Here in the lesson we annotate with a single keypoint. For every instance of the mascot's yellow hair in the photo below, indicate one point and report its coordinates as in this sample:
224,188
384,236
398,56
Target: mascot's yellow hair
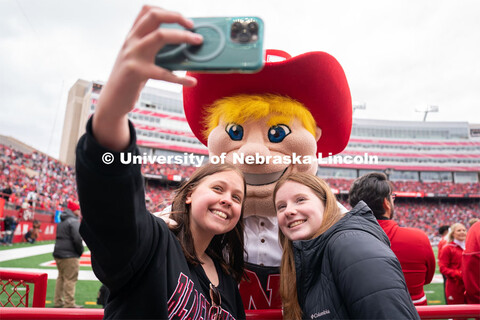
241,108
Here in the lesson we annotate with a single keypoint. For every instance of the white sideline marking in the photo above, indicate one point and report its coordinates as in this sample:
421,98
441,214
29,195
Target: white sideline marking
437,278
18,253
12,254
53,273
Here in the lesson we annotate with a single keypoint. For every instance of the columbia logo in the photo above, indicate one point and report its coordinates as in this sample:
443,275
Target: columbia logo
319,314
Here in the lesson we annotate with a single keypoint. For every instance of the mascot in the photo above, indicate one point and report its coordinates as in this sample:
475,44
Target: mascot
284,117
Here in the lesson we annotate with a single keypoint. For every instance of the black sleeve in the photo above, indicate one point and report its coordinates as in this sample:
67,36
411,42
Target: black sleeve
116,224
369,278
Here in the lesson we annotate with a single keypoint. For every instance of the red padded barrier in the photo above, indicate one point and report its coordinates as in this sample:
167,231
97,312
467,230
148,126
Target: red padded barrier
449,311
426,312
37,278
50,313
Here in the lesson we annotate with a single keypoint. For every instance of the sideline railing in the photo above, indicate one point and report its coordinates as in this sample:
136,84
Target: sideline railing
426,312
15,288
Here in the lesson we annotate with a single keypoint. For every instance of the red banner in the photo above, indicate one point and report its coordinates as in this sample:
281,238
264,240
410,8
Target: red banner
48,231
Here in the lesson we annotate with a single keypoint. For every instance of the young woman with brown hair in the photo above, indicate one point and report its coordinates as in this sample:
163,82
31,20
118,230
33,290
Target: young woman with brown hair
151,271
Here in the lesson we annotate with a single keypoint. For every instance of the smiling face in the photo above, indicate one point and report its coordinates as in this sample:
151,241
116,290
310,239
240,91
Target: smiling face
459,232
216,203
299,211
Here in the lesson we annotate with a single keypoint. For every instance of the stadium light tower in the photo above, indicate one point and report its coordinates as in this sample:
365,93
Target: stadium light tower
388,172
357,105
427,110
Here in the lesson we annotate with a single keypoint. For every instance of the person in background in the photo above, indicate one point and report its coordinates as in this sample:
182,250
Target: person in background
410,245
472,221
67,252
6,192
443,232
24,213
9,224
343,261
450,263
102,296
471,264
32,234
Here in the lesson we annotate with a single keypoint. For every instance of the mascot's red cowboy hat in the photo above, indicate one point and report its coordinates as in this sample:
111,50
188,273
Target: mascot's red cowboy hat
315,79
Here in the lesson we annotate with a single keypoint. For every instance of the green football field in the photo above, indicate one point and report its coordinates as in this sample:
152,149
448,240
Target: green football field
87,290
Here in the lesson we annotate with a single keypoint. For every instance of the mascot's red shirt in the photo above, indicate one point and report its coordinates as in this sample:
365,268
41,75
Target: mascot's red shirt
413,250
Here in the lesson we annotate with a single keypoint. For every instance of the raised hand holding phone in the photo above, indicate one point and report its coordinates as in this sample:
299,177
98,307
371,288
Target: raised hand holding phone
133,67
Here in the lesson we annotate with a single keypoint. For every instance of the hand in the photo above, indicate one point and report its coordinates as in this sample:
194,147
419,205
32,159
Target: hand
165,216
133,67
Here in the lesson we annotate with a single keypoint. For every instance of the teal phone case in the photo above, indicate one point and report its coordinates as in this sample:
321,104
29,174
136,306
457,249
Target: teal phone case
230,44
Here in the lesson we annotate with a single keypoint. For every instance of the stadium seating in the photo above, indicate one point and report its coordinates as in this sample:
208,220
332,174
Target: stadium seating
47,183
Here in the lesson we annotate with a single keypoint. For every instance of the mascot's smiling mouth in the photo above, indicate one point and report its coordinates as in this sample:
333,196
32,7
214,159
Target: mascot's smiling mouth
260,179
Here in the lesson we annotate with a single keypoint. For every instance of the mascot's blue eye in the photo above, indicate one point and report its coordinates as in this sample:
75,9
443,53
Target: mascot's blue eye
278,133
235,131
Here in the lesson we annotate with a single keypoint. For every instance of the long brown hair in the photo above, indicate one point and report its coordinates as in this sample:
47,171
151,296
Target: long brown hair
331,214
227,249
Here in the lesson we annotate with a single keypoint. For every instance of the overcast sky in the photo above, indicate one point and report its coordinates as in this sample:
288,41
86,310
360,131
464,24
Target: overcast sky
398,55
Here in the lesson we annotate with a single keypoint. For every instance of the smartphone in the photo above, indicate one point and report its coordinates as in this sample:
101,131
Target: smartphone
230,44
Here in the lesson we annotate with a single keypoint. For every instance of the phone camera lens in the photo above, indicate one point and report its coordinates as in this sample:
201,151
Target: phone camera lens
253,27
244,31
236,28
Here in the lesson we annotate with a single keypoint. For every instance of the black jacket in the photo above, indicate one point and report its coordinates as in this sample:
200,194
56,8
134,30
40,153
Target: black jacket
68,243
133,252
350,272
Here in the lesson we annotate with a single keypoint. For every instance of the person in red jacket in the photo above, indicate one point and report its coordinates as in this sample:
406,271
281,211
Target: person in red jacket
471,264
443,232
450,263
410,245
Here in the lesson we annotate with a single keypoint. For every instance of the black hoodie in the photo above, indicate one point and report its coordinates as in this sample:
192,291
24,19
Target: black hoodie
133,252
350,272
68,242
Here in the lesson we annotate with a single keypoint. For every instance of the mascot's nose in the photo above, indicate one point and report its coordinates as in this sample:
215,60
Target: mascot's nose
250,148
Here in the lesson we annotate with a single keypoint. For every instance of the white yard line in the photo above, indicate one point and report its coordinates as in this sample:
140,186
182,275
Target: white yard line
53,273
437,278
12,254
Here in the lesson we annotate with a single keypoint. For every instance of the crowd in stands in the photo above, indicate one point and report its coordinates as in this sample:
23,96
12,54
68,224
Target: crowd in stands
34,178
158,198
444,187
437,187
429,215
168,170
45,184
415,186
